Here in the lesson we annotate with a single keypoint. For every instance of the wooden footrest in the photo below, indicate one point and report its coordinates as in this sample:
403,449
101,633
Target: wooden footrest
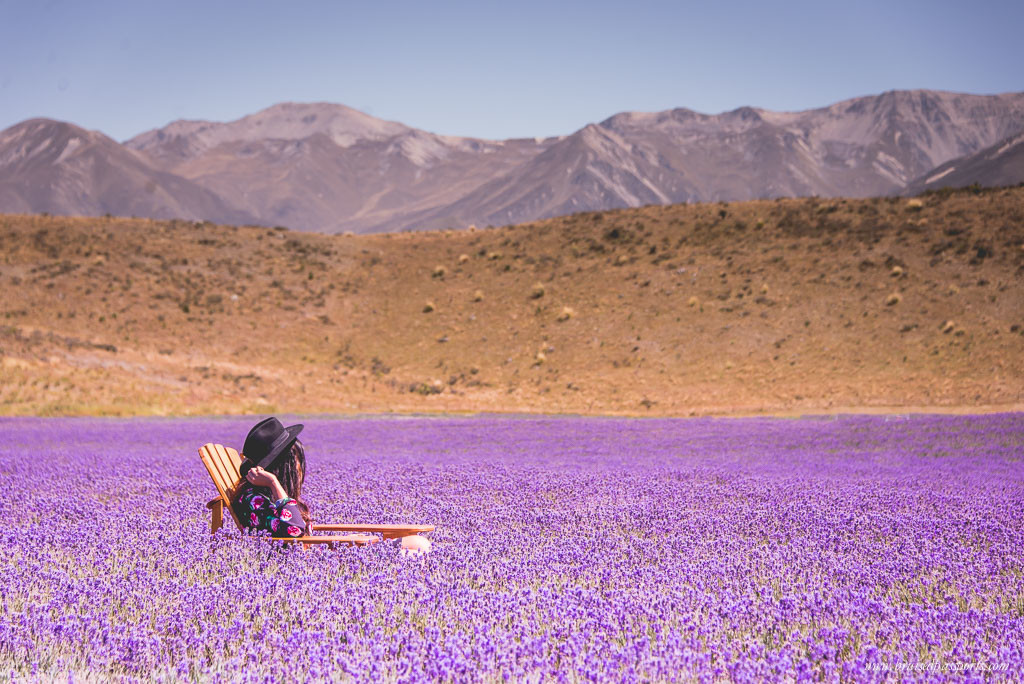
386,531
342,539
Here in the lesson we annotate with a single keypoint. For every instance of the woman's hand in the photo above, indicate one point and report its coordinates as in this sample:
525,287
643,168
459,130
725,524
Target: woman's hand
262,478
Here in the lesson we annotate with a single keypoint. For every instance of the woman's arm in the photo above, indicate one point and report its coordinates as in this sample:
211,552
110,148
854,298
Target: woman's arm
261,478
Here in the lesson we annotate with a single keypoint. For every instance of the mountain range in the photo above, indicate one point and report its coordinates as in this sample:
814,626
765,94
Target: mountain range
329,168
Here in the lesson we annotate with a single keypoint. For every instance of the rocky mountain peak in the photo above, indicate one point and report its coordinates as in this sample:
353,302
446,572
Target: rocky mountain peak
37,141
183,140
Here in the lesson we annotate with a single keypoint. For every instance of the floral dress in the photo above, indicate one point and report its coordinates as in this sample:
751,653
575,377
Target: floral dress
281,518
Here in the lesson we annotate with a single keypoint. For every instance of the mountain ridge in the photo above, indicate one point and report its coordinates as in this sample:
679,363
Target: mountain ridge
330,168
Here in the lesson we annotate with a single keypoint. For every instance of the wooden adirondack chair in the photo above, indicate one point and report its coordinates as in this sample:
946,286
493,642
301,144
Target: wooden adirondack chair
222,463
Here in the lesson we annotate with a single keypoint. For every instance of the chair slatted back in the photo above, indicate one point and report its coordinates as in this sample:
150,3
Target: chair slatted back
222,463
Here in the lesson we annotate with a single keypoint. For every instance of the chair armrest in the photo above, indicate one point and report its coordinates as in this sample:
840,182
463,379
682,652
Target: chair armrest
213,503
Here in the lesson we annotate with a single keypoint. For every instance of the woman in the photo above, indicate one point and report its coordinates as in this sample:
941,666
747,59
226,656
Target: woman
273,471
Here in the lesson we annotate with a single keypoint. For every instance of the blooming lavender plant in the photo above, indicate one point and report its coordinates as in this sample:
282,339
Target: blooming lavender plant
566,549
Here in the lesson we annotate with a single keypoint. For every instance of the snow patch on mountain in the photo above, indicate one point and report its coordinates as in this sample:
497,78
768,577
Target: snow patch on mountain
941,174
68,150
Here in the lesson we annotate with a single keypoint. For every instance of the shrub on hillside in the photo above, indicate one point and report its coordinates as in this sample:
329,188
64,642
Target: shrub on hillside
426,389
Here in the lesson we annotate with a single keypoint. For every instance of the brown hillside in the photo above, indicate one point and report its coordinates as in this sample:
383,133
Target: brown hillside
768,306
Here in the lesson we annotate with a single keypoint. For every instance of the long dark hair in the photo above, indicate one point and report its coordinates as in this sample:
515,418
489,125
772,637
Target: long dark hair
290,470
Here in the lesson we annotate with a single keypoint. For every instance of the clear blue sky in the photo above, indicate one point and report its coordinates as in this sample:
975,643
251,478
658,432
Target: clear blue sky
501,69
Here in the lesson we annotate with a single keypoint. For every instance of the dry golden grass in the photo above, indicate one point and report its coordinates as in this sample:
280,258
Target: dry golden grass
768,306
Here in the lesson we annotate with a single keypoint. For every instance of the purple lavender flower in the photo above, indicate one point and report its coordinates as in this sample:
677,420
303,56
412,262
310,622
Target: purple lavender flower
566,549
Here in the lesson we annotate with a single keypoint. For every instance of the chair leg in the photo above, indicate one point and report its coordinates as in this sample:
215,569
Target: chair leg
217,516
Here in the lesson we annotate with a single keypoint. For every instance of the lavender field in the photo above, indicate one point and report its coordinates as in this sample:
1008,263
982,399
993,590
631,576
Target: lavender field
566,549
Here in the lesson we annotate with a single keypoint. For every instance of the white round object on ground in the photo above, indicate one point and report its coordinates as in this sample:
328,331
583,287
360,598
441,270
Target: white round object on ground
414,544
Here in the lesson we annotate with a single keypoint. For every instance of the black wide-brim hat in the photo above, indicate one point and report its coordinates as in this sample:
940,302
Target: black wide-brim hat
267,440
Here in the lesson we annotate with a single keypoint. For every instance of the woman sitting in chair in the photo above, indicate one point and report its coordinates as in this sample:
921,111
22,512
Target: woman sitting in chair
273,469
273,466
